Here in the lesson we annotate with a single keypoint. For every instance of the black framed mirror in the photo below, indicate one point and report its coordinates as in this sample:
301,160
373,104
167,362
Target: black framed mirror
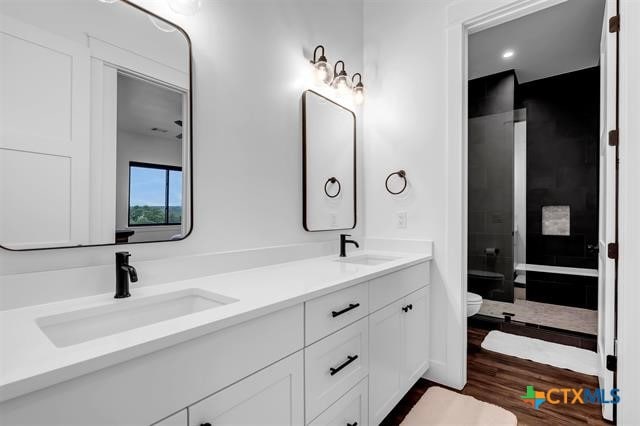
329,164
95,125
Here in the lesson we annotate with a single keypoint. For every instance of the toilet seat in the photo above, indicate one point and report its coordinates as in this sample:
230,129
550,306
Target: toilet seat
474,303
473,299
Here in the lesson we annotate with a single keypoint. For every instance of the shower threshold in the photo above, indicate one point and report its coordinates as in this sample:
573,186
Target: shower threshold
545,314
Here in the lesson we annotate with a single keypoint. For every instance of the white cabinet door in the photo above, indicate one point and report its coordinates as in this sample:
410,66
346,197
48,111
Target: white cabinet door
273,396
386,360
44,138
416,335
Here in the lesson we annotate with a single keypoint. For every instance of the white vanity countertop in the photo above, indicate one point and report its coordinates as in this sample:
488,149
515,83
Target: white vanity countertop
29,361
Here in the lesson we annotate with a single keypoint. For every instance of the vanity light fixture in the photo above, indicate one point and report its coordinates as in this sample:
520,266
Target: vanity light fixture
358,89
341,81
322,69
185,7
508,54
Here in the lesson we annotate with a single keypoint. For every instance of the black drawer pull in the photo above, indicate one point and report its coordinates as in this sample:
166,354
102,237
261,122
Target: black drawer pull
408,308
205,424
352,424
349,360
347,309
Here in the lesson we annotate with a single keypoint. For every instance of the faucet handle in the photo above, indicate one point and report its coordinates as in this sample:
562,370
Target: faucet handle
345,235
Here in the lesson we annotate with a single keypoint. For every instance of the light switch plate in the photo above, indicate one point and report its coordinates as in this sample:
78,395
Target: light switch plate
401,220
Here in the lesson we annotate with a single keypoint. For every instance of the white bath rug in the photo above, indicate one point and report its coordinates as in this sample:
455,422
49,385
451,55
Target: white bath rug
440,407
554,354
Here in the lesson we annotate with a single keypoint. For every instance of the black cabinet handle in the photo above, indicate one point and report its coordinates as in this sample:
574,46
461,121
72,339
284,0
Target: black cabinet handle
407,308
352,424
205,424
349,360
347,309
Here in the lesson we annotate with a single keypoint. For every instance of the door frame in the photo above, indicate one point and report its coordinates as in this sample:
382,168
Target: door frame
465,18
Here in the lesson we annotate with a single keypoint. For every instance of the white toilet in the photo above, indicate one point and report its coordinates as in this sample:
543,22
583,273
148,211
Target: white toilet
474,302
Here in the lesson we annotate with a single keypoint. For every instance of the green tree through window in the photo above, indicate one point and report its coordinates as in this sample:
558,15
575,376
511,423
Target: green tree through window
155,194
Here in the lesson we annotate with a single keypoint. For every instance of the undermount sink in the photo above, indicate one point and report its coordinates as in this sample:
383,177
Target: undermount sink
367,259
71,328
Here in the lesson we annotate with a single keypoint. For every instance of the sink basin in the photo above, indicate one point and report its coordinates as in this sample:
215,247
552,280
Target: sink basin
71,328
367,259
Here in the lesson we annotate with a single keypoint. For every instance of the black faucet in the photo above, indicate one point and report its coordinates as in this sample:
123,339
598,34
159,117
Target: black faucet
124,272
344,242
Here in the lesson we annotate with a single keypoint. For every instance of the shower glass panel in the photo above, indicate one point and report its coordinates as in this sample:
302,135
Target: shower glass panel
491,206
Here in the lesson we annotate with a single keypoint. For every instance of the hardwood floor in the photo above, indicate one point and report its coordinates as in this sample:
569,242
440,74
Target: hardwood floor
501,380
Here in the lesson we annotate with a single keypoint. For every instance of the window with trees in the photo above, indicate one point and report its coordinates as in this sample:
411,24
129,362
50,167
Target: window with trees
155,194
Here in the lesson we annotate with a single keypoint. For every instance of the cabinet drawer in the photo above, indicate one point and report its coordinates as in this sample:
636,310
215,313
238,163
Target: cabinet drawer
334,365
351,409
389,288
272,397
334,311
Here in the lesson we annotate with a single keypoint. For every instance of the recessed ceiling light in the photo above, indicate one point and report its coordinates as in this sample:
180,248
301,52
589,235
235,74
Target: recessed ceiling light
507,54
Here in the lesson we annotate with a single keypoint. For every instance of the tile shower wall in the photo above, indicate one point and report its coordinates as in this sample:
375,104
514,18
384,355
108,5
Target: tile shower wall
562,170
491,156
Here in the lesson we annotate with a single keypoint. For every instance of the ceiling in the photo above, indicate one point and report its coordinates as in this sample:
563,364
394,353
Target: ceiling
550,42
143,106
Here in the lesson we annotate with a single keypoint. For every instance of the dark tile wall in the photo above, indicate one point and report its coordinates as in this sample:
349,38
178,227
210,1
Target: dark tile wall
562,114
491,103
562,169
492,94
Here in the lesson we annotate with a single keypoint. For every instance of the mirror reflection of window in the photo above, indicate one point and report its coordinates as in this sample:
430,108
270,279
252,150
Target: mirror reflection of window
155,195
149,159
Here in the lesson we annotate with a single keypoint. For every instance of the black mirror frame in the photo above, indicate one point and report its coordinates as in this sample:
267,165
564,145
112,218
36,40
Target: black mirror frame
304,165
190,103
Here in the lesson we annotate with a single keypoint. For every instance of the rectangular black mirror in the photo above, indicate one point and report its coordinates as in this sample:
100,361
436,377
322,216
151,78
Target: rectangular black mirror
329,164
95,125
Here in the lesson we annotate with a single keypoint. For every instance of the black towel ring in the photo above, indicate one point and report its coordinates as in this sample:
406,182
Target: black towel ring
403,175
332,180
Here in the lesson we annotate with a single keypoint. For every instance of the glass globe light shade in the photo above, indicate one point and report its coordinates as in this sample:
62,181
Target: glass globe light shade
358,94
161,25
342,84
185,7
323,71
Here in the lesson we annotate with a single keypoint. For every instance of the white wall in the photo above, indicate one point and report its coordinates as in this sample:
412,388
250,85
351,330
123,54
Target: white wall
629,290
250,67
405,116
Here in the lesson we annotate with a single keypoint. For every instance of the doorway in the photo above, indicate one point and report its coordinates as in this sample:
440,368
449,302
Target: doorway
538,172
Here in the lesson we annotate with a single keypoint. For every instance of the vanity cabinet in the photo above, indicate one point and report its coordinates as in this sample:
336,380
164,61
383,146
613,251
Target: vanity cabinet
273,396
343,358
399,351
